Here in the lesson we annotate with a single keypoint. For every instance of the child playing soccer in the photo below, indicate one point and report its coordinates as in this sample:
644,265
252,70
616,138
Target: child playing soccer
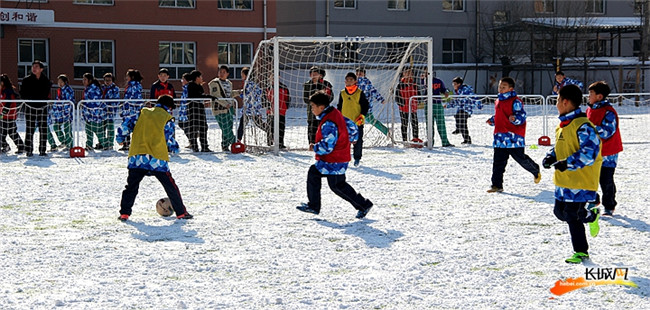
153,135
60,116
354,105
601,113
577,161
332,148
509,121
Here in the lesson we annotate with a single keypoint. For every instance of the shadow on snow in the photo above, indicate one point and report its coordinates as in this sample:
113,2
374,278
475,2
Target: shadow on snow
373,237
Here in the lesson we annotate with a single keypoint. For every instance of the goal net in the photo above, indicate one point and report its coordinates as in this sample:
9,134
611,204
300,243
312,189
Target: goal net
281,73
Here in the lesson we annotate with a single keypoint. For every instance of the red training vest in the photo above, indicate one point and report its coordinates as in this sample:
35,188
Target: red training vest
341,152
503,110
613,144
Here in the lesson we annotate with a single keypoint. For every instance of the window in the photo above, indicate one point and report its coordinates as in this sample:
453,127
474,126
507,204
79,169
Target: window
176,3
595,6
636,47
345,52
401,5
638,7
235,4
236,56
499,18
96,2
453,5
28,51
544,6
92,56
345,4
453,51
596,48
177,57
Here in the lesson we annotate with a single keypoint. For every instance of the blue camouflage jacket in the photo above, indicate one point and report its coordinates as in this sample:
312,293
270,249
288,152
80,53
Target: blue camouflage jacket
586,155
146,161
607,129
111,92
326,145
567,81
133,91
182,107
372,94
61,112
252,97
93,111
465,104
510,139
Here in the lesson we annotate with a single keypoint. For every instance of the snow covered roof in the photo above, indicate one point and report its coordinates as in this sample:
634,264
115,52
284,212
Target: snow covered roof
601,23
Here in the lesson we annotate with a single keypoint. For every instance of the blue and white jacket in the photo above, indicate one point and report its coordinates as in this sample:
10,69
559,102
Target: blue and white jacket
111,92
372,94
566,81
182,107
61,112
146,161
509,140
326,145
606,130
133,91
465,104
252,97
93,111
586,155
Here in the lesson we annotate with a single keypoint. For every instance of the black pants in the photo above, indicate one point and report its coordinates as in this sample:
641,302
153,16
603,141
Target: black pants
269,131
608,187
198,126
461,124
500,162
8,128
404,119
338,185
312,128
575,214
133,184
358,147
257,120
35,117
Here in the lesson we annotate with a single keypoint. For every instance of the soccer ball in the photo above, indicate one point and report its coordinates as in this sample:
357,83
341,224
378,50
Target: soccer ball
164,207
417,143
237,148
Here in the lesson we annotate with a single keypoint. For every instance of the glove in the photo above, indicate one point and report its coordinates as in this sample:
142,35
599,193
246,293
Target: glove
561,165
548,161
360,120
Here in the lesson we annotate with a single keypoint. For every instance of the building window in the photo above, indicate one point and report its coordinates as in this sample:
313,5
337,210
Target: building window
595,6
544,6
500,18
453,5
596,48
401,5
236,56
93,56
177,57
28,51
453,51
638,6
346,52
94,2
176,3
345,4
636,47
235,4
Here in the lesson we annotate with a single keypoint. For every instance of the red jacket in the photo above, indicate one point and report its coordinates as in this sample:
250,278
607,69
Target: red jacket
284,99
613,144
405,90
341,152
502,111
9,110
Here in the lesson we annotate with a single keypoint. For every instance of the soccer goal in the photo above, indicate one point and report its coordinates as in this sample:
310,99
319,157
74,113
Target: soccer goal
280,72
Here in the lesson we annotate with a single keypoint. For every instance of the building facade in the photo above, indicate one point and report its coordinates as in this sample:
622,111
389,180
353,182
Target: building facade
73,37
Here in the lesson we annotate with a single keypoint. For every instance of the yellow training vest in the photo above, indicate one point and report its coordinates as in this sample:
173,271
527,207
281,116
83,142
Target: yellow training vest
566,144
149,134
351,108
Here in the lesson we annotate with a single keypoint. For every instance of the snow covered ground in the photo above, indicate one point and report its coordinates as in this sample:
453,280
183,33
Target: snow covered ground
435,238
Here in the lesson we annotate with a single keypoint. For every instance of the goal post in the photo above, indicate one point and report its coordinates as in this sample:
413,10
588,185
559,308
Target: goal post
281,69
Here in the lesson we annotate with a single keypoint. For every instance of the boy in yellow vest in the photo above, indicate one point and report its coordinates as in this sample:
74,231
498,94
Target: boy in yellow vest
153,138
354,105
577,161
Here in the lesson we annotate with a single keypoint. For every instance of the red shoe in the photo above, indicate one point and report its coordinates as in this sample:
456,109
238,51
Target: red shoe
123,217
185,216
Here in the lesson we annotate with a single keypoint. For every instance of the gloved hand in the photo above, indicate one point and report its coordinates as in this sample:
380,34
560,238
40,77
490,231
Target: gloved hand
561,165
360,120
548,161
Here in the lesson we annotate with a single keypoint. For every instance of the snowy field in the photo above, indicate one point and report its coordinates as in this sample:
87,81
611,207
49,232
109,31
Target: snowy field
434,240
